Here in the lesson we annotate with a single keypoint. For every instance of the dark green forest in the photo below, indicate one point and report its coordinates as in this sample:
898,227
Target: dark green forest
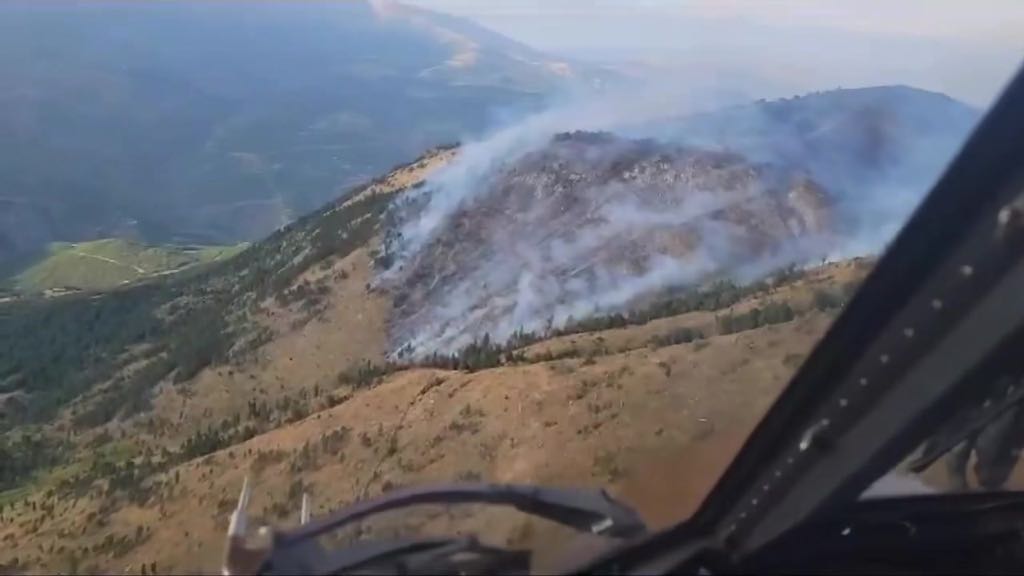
53,350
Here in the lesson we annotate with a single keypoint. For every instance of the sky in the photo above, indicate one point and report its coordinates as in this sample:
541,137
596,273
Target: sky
966,48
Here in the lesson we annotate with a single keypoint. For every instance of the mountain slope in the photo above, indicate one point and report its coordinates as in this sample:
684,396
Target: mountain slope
496,241
482,56
587,225
217,122
614,403
128,418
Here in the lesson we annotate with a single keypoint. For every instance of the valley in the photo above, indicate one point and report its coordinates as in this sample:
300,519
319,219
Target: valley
108,263
114,127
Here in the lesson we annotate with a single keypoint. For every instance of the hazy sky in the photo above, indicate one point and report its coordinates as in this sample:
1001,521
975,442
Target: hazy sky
967,48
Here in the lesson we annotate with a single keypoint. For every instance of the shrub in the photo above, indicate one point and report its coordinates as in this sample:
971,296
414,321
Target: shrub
683,335
828,300
771,313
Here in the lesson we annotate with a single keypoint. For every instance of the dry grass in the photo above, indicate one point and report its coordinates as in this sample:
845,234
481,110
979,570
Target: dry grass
407,176
655,425
658,440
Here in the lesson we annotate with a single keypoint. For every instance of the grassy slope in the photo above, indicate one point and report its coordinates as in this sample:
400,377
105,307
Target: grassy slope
623,410
110,262
613,409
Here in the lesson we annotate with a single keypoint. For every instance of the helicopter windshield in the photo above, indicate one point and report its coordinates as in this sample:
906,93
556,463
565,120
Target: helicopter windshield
336,251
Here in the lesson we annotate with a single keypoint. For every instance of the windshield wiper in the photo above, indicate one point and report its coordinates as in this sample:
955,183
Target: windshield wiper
404,556
592,511
585,510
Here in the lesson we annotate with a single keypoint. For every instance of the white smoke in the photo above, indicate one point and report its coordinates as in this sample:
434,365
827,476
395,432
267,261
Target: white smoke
532,279
468,175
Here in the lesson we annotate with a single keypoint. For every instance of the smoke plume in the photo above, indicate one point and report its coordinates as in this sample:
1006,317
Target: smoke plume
537,225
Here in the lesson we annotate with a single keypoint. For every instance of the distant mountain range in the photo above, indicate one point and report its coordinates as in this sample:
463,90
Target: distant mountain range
220,121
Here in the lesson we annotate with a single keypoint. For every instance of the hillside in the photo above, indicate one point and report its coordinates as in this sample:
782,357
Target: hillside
589,224
624,399
277,357
104,264
217,123
130,417
307,403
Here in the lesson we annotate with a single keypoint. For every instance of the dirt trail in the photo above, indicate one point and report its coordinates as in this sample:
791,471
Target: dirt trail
111,261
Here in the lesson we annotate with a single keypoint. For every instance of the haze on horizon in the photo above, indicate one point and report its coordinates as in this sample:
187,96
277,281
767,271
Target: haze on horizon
750,48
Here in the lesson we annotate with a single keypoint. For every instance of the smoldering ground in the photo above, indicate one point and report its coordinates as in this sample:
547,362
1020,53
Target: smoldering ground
536,225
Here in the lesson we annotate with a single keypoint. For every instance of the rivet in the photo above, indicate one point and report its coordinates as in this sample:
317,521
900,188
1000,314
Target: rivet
843,402
966,270
884,358
908,332
937,304
863,381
